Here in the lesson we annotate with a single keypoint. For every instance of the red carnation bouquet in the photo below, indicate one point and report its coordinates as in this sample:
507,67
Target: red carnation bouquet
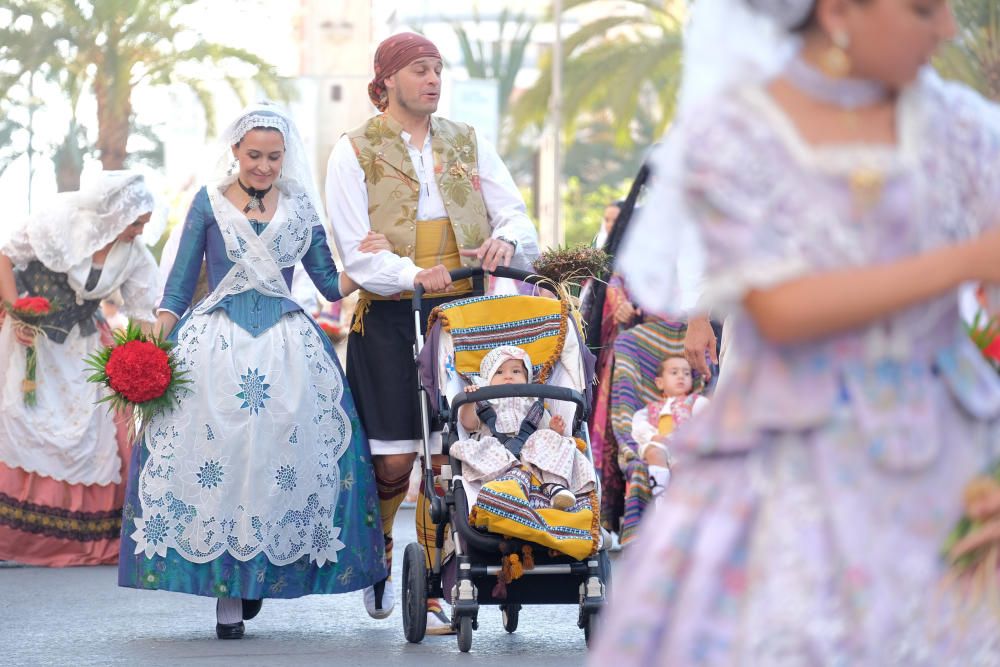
29,312
141,372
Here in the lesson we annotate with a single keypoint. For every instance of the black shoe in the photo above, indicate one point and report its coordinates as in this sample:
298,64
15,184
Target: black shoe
251,608
229,630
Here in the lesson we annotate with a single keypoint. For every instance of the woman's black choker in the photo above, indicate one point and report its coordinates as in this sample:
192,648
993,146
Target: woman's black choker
256,197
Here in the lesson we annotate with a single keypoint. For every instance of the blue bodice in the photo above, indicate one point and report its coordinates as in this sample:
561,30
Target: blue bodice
252,311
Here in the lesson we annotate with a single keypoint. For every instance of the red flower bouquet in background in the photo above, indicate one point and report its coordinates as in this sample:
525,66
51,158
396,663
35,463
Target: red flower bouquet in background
333,331
985,333
973,548
328,319
32,306
29,312
140,371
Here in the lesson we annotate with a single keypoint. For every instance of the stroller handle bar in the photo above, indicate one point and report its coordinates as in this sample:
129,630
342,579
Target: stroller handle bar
470,272
517,390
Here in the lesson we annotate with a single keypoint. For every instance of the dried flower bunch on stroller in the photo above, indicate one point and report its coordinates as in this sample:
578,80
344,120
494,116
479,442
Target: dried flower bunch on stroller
572,265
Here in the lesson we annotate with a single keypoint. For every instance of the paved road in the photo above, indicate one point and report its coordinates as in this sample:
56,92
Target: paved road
78,616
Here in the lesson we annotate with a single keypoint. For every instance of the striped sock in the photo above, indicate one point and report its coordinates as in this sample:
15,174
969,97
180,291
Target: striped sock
391,493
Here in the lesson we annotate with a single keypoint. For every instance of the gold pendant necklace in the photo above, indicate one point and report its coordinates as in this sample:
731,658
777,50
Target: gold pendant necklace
867,184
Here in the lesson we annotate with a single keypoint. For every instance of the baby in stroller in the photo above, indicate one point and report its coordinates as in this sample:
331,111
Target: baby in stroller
509,432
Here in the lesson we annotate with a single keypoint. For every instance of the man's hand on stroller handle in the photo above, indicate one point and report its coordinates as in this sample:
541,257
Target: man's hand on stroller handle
434,279
493,253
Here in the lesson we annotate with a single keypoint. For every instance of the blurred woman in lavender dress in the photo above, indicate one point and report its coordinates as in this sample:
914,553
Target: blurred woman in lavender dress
842,193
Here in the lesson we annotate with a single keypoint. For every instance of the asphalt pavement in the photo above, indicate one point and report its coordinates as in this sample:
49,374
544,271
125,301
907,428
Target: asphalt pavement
79,616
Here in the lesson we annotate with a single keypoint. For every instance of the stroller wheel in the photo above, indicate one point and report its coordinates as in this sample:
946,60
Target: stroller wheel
414,593
510,613
464,634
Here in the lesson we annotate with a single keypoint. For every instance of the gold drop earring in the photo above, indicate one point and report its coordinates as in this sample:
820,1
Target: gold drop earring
835,62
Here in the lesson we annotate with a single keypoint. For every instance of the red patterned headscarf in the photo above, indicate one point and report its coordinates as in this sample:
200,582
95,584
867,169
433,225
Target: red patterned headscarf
394,54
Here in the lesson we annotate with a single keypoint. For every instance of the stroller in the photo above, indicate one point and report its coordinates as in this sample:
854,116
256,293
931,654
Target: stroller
468,578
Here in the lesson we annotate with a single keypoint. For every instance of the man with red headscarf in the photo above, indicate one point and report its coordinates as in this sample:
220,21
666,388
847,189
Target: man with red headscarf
444,199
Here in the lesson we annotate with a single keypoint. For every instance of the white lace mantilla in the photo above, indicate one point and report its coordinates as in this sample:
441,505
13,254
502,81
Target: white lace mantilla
78,224
258,259
255,120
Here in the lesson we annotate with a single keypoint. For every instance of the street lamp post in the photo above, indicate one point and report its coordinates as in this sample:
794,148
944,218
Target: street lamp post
555,111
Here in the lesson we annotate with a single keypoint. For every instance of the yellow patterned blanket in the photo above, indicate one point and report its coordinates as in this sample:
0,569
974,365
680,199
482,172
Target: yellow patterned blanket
513,506
479,324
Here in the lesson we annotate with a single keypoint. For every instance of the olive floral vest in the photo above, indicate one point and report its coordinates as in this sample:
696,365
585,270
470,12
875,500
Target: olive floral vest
394,189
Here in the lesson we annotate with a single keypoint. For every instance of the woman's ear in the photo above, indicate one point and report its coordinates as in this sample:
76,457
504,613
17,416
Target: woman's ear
832,14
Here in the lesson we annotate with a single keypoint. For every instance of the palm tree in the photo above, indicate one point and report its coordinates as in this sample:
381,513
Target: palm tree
615,65
500,60
110,48
9,150
974,56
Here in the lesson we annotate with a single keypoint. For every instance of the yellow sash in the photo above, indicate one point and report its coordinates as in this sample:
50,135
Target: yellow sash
435,244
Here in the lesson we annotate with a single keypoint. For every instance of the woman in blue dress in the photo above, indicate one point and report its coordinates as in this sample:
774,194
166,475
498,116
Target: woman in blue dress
259,483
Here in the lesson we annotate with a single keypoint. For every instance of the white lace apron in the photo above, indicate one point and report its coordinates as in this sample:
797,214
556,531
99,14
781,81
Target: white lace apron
248,463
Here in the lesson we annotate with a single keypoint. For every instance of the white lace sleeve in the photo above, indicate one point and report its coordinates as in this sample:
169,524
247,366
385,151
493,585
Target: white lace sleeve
970,146
741,195
18,248
142,289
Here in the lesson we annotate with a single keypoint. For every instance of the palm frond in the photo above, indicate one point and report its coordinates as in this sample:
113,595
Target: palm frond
613,64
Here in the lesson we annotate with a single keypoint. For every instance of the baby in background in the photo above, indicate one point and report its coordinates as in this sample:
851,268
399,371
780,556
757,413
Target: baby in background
653,425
